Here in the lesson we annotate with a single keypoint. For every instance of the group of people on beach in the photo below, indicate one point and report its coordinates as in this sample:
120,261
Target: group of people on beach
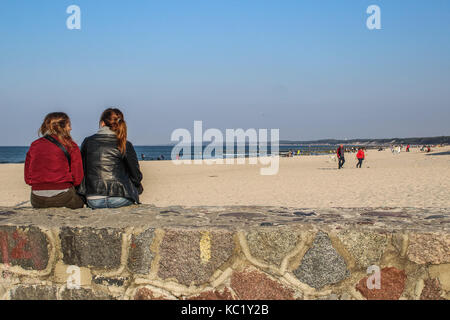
399,148
105,173
341,156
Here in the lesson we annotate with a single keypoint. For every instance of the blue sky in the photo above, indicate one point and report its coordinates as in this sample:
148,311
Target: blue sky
310,68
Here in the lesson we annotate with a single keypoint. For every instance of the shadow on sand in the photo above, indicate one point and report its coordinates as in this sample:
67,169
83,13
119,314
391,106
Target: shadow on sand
446,153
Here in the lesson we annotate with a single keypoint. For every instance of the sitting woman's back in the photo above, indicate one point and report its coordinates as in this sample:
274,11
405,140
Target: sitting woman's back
53,166
112,174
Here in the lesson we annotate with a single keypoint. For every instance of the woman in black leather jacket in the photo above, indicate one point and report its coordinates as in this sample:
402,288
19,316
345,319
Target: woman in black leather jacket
112,177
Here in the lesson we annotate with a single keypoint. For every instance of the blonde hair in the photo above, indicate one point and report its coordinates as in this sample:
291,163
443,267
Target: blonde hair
56,123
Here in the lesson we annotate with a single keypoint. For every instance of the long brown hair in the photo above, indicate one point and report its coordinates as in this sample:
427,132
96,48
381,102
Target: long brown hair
113,118
56,123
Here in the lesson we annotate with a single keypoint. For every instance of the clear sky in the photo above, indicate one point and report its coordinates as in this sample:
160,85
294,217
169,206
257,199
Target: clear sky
310,68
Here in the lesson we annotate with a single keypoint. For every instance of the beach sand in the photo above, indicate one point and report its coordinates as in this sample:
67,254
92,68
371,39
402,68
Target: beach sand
411,179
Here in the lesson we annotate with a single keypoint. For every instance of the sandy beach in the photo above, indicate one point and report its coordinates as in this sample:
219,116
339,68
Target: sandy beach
413,179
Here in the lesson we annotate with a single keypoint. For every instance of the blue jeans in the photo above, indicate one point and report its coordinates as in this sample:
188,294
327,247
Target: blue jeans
341,162
109,202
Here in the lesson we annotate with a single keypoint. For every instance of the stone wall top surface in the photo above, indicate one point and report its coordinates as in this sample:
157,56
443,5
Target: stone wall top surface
433,220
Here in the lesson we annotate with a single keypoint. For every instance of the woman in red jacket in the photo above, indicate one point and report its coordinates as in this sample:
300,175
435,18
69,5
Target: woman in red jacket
53,165
360,156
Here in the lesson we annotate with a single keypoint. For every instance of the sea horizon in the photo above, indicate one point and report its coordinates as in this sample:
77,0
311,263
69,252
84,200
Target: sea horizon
17,154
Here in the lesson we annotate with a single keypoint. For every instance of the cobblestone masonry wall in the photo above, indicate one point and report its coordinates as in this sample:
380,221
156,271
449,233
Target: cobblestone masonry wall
145,252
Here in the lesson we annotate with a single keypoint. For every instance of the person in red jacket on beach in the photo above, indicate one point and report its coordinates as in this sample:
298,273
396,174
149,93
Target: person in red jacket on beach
360,156
53,165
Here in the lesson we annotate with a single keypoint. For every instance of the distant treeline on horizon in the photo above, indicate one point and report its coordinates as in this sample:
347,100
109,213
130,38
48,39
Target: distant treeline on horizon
413,141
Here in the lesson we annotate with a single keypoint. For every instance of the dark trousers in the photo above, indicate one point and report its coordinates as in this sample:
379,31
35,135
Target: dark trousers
69,199
341,162
360,161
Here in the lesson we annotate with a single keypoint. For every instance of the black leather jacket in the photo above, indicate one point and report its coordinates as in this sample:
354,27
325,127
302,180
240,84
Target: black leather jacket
107,172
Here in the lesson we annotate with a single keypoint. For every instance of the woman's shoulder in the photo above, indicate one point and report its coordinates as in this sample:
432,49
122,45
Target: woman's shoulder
130,145
93,138
38,141
74,145
90,137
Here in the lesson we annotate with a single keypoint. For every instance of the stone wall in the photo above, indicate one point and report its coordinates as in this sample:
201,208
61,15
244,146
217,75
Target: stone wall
145,252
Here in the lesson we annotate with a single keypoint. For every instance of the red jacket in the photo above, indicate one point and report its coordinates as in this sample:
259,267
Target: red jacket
47,168
360,154
338,152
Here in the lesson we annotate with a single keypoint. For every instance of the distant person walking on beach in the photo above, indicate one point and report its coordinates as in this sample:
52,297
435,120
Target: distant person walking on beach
112,174
407,148
340,155
53,165
360,156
